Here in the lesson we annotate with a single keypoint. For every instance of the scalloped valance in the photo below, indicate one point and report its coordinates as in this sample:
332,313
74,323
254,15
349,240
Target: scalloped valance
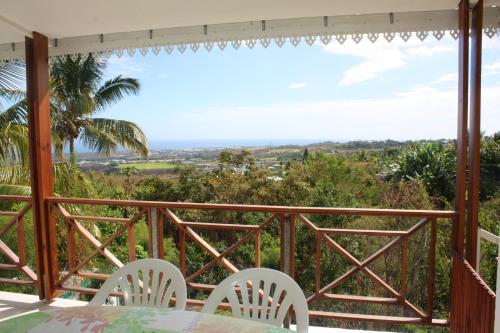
326,29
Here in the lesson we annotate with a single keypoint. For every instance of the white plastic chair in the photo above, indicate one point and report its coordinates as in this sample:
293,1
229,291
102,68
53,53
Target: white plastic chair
280,291
153,288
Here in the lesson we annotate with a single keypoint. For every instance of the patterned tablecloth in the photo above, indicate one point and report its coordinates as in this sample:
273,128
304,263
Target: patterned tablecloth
124,319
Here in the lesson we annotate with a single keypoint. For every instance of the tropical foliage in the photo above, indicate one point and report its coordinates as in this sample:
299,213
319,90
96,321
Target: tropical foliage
13,130
420,176
430,163
11,76
77,94
333,180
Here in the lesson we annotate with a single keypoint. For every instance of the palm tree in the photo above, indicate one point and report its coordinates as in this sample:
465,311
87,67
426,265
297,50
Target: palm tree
11,76
13,120
77,94
14,134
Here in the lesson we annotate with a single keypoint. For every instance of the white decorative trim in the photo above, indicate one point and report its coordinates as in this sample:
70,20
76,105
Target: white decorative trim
311,30
357,37
372,37
389,36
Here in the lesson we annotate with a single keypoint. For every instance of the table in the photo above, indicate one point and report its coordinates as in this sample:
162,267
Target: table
125,319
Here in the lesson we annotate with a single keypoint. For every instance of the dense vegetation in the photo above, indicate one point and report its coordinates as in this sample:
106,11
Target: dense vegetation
419,176
380,174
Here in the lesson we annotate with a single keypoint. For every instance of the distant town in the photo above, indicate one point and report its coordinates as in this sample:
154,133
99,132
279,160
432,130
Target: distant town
168,162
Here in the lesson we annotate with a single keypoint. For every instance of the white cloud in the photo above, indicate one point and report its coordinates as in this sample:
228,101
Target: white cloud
381,56
377,58
491,43
424,112
492,69
126,65
450,77
428,51
297,85
493,66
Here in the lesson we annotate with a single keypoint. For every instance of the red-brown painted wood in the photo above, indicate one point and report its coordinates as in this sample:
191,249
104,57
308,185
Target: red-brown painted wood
37,71
259,208
458,231
474,310
474,133
463,91
165,210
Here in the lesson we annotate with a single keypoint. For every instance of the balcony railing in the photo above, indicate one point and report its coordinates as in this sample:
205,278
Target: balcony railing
13,222
83,237
474,306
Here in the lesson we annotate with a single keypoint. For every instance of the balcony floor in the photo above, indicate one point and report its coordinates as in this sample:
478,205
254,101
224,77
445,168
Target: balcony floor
13,304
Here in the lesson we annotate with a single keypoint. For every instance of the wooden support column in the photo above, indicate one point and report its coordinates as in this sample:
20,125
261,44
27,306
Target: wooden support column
497,299
463,92
37,80
474,133
458,232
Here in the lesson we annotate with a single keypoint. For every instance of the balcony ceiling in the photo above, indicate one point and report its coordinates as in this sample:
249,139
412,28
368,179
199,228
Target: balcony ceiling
66,19
63,18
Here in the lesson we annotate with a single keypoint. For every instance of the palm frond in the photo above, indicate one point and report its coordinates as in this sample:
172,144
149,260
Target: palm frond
70,180
115,90
17,113
105,135
12,75
98,140
6,189
72,76
14,133
77,94
16,174
12,95
14,143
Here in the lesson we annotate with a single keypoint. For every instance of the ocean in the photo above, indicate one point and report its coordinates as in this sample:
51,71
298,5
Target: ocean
219,143
229,143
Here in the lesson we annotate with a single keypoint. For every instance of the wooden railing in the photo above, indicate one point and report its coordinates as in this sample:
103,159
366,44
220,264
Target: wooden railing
473,302
83,243
495,240
14,221
488,236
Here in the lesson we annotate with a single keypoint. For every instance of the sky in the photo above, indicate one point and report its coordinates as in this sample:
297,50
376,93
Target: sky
370,91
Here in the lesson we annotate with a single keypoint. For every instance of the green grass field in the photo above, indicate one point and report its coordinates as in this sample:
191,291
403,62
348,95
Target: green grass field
149,165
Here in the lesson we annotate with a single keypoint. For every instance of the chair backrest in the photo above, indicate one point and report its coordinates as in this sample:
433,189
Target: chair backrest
145,282
271,295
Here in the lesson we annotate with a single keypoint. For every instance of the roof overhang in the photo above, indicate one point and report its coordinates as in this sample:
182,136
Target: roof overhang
95,26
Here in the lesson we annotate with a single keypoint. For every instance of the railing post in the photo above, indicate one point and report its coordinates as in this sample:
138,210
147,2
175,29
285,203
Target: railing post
287,223
71,246
131,241
161,225
257,249
182,251
21,240
404,269
318,263
292,246
154,232
478,251
288,253
497,298
432,269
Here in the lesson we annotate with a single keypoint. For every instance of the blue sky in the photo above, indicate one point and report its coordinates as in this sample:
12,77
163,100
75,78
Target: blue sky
383,90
